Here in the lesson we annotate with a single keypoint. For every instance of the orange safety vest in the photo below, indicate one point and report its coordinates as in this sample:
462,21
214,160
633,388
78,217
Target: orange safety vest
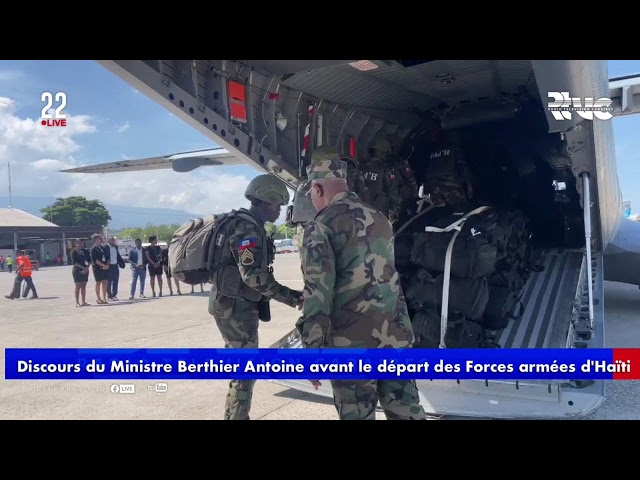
26,269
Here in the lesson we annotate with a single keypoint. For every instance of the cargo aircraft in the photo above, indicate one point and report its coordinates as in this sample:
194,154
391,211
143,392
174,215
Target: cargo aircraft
272,114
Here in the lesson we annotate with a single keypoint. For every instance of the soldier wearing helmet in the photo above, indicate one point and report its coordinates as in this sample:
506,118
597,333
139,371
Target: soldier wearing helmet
401,182
241,290
380,179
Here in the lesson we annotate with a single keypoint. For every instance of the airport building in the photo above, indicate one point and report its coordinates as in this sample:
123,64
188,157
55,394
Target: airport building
21,230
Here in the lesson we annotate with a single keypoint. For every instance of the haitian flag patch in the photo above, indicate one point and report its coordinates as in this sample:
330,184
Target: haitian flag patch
246,243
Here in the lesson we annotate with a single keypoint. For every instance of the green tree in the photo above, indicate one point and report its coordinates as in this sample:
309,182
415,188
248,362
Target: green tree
271,229
163,232
76,211
285,232
129,233
278,232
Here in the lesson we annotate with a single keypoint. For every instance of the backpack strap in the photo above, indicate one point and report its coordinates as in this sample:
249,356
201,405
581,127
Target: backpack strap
220,239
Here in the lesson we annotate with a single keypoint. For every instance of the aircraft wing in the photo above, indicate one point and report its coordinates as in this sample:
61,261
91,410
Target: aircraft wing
179,162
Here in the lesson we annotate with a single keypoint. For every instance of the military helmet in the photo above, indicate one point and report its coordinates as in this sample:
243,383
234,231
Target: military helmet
268,189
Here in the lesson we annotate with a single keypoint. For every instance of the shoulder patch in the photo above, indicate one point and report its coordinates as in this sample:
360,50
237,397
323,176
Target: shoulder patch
247,258
246,243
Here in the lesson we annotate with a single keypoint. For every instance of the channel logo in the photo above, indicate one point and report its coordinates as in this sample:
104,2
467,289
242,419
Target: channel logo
159,388
115,388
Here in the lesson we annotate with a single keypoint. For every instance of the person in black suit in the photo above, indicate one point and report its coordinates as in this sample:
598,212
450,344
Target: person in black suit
100,261
138,261
115,264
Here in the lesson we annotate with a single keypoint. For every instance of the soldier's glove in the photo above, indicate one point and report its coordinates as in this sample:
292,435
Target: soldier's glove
299,296
264,310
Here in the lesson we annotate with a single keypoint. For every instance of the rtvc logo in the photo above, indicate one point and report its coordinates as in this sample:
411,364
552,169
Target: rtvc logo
563,105
57,119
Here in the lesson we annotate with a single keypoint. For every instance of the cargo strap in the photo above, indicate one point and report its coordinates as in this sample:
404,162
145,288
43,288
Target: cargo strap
421,203
412,219
457,226
423,199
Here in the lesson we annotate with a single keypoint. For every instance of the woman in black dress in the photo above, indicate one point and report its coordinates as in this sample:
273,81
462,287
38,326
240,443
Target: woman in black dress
100,261
80,271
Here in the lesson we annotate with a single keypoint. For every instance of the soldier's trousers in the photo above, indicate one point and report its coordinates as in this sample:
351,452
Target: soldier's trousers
237,320
357,400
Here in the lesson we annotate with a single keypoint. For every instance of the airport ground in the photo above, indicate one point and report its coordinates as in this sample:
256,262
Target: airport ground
53,321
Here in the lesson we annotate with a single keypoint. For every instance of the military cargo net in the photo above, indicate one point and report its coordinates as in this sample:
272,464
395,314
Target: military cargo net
546,303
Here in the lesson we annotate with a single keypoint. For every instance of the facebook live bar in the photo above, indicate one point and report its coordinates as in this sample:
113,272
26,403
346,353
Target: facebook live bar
321,364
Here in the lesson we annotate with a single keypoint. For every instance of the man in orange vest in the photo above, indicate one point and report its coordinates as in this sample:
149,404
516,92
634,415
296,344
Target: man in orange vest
23,272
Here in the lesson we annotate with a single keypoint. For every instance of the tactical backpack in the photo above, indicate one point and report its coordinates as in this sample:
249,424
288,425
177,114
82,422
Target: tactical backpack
196,249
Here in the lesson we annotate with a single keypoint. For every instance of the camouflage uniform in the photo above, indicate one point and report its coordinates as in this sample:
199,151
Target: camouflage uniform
390,182
352,298
379,180
405,189
408,188
235,293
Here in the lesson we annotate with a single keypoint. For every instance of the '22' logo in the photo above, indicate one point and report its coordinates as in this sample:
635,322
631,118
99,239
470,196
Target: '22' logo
57,119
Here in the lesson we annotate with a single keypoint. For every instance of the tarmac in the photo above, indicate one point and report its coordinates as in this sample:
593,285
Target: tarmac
182,321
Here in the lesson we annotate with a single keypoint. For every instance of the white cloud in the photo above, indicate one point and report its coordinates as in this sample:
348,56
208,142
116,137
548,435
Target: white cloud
123,128
38,153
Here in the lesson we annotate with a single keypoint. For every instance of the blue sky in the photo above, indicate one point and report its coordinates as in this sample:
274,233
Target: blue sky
112,121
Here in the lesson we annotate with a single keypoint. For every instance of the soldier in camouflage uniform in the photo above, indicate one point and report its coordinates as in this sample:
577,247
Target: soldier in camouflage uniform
389,180
380,181
352,295
237,288
448,178
405,185
355,180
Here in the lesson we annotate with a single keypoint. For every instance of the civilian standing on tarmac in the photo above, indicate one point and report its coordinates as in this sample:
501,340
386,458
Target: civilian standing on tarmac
115,264
154,257
100,261
80,261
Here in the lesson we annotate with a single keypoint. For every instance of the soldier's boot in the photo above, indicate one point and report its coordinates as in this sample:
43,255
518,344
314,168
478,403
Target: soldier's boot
400,400
355,399
238,404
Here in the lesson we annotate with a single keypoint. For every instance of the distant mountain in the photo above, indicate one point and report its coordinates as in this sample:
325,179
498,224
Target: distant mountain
121,216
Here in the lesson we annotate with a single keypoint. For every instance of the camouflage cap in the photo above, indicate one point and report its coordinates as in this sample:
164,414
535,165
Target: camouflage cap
329,168
324,152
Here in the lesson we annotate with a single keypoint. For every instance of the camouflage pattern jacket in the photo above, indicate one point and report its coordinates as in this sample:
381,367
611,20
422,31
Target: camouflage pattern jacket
352,295
250,275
